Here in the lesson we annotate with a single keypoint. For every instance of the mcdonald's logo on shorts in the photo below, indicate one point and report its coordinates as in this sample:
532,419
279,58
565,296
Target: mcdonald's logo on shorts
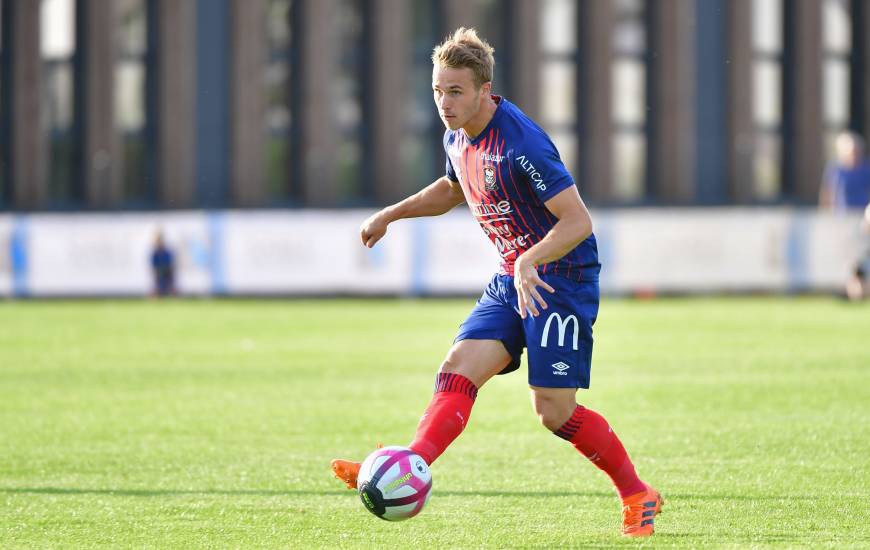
562,325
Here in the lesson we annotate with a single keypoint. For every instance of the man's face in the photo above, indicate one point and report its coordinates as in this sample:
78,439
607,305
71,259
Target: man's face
457,98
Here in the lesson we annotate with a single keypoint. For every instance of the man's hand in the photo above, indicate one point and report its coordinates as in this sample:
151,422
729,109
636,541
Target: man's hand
527,281
435,199
373,229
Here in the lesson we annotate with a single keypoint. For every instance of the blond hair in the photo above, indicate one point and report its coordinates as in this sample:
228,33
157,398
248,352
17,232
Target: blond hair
466,49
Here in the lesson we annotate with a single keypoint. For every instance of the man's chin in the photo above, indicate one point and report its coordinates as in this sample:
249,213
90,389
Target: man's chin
451,124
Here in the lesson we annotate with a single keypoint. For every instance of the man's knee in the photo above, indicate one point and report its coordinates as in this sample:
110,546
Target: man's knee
554,406
477,360
453,362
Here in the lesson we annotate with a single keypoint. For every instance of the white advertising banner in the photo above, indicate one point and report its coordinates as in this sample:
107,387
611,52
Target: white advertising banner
8,262
109,254
453,255
311,252
695,250
833,246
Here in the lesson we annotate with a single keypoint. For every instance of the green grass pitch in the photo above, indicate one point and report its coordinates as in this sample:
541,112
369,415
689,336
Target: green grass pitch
201,424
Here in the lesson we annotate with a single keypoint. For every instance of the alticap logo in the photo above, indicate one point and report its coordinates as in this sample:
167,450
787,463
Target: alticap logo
532,172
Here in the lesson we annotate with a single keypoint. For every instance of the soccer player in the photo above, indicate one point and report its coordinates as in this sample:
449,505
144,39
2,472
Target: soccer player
545,296
846,188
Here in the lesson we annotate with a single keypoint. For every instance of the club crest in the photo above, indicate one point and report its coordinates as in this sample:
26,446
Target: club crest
489,178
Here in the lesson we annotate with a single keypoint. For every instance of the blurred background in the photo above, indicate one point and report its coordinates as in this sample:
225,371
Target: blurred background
255,135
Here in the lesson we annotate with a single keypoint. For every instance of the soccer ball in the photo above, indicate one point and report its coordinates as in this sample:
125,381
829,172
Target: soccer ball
394,483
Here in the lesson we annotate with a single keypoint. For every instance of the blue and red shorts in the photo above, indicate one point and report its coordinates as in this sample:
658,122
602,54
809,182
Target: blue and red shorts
559,339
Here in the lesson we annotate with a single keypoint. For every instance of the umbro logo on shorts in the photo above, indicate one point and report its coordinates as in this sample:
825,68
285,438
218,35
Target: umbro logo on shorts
560,368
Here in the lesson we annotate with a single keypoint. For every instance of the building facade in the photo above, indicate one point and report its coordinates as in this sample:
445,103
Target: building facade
179,104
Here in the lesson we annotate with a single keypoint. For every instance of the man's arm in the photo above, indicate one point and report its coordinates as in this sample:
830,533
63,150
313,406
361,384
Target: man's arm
573,227
439,197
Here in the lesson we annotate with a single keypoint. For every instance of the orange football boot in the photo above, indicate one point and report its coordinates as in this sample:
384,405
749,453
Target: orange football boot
347,471
639,511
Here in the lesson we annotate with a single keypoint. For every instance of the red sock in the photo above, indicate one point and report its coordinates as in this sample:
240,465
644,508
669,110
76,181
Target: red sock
446,415
592,436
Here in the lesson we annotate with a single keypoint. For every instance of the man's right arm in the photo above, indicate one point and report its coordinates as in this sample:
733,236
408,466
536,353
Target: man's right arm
439,197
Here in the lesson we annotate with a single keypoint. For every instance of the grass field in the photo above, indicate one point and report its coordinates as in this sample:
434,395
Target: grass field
211,424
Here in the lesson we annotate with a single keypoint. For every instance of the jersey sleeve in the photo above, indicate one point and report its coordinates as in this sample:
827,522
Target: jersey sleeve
451,173
448,169
540,163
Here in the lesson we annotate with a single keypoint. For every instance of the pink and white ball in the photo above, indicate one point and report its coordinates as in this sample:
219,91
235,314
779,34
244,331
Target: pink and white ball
394,483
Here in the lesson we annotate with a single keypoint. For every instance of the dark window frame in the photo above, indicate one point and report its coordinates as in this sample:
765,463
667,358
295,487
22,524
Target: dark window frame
148,132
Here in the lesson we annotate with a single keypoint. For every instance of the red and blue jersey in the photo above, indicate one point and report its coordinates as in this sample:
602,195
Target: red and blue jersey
507,173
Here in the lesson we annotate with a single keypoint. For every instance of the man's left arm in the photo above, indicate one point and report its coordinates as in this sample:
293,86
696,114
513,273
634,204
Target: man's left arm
573,227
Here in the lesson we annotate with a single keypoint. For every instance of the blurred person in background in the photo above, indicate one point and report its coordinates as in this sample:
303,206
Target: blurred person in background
162,267
845,189
846,183
508,171
856,286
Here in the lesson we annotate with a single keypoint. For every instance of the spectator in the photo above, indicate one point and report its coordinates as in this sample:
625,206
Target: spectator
846,188
846,183
856,286
163,267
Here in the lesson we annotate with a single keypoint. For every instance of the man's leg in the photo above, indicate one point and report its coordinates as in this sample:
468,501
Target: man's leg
589,433
592,436
468,366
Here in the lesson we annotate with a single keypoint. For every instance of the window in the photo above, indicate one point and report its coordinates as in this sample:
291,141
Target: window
836,48
628,81
491,18
348,102
130,104
767,48
279,121
57,48
421,151
559,84
559,77
4,109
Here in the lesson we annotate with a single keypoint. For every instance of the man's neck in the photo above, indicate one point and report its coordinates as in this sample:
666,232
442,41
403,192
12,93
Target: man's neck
476,125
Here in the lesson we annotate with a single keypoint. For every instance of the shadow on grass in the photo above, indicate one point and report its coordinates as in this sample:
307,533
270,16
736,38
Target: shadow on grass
757,538
164,492
275,492
671,498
